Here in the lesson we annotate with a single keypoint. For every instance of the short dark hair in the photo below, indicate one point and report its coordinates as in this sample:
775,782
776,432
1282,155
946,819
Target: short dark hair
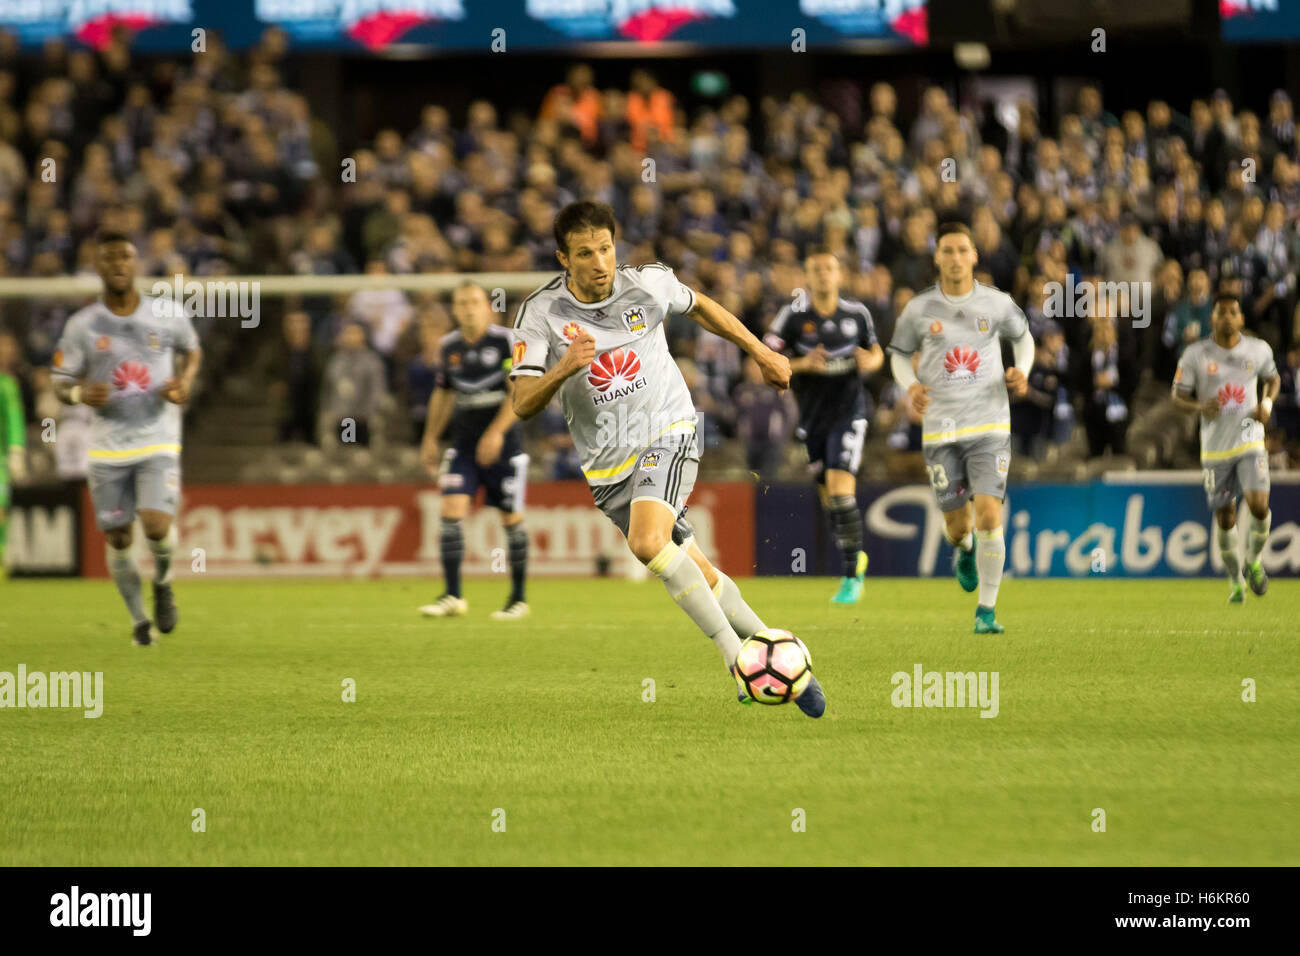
105,236
951,228
1224,296
579,217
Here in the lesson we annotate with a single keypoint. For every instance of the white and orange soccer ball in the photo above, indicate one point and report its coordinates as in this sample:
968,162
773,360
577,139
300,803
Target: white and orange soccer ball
773,666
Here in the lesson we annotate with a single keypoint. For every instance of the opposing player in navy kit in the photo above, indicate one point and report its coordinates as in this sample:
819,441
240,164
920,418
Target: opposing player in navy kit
961,389
1218,378
472,395
834,344
133,359
595,336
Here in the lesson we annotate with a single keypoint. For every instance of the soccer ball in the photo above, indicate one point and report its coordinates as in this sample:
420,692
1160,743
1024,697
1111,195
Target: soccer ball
773,666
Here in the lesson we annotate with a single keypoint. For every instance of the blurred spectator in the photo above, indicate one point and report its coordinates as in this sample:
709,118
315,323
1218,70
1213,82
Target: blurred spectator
297,380
1046,414
421,378
353,388
764,422
1131,257
1107,381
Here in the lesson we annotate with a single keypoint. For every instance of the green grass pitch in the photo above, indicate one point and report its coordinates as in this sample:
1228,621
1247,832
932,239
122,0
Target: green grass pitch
1119,695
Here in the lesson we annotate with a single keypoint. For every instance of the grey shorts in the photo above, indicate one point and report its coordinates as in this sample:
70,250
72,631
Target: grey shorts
970,466
1226,480
665,471
118,491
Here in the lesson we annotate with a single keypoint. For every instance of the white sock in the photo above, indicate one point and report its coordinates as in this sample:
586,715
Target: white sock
989,559
162,556
1227,538
127,578
742,617
685,582
1259,528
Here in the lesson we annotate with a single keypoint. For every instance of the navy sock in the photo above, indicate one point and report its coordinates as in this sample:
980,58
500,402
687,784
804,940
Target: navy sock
517,538
847,522
453,549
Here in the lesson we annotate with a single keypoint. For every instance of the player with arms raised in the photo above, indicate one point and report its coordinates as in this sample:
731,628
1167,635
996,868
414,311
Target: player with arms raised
961,391
834,344
595,335
133,359
1219,378
471,394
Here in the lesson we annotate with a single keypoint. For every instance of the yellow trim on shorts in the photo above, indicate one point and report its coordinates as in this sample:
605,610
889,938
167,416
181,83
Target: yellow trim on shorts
972,430
619,469
105,453
1231,452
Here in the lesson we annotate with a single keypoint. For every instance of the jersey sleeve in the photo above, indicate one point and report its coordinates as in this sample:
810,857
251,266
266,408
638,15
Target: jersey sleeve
184,338
69,360
778,333
866,330
675,297
1013,324
530,352
1185,375
906,338
1267,364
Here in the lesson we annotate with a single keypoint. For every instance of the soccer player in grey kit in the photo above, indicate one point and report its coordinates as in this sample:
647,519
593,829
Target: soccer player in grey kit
595,335
133,359
961,390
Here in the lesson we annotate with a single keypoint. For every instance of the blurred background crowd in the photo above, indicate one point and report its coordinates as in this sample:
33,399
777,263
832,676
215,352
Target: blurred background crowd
215,165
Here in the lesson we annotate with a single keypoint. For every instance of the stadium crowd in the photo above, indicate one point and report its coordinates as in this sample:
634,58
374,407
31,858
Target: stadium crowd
217,166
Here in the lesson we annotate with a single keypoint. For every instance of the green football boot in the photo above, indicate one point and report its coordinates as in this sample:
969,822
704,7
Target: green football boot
963,566
1237,594
1256,578
986,623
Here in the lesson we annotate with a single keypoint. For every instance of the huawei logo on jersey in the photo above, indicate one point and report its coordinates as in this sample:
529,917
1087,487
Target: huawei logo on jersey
131,377
614,374
961,363
1232,396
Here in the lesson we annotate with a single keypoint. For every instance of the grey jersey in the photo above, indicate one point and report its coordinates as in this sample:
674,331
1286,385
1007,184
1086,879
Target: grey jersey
1208,370
961,359
133,354
632,393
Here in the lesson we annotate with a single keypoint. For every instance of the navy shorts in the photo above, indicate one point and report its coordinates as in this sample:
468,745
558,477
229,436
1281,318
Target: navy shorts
837,446
504,479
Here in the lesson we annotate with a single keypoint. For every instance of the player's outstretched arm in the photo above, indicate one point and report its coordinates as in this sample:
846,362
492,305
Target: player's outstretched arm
532,393
712,317
1184,402
1272,388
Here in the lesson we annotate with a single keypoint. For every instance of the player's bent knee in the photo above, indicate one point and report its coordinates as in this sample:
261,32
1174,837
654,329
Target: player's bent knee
647,544
119,538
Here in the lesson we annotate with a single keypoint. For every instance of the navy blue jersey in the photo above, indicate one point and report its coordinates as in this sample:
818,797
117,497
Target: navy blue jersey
476,372
825,397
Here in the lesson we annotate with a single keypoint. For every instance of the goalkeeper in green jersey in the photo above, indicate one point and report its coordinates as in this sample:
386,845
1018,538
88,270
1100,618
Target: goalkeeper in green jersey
13,434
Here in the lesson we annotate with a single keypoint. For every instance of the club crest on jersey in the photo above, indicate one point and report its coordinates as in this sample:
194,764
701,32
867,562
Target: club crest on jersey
489,355
982,323
634,319
102,344
936,327
1249,366
650,461
520,349
1213,368
615,374
848,328
961,363
155,343
572,330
